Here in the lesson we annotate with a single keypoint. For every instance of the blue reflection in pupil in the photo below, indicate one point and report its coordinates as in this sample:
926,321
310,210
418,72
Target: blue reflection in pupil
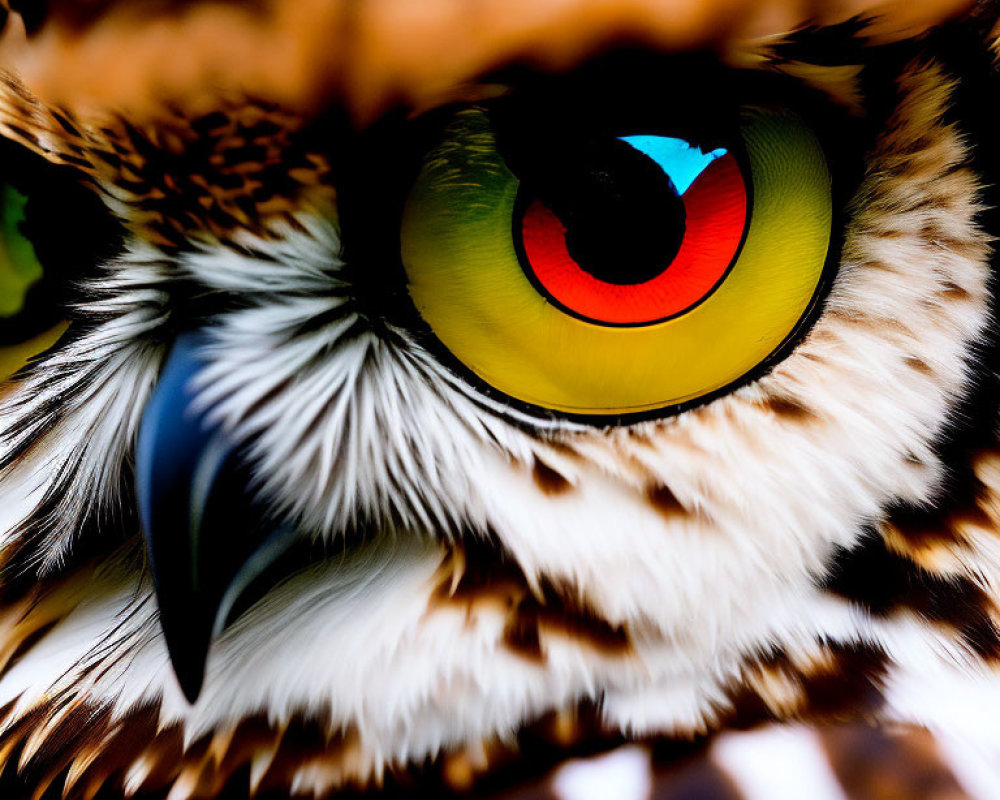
682,161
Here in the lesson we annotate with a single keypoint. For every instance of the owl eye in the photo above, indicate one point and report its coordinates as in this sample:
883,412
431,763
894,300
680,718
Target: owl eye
629,272
51,229
27,325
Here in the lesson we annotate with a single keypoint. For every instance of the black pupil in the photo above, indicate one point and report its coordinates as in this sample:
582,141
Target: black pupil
624,218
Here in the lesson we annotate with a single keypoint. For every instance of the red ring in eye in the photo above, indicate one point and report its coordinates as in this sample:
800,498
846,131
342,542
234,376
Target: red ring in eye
716,208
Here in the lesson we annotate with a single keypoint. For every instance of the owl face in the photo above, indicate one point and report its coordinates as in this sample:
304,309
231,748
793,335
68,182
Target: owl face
423,409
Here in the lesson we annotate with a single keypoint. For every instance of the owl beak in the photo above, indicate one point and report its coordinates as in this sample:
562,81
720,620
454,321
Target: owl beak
206,540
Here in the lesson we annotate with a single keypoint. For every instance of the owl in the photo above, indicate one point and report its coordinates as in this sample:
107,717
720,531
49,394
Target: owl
499,399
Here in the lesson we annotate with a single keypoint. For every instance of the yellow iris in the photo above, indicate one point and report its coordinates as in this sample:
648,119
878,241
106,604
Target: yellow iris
467,283
13,357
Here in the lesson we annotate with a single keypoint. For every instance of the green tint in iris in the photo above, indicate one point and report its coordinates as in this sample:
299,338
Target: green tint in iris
20,268
466,280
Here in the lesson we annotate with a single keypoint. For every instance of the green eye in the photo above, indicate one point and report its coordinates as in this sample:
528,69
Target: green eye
25,328
52,229
20,268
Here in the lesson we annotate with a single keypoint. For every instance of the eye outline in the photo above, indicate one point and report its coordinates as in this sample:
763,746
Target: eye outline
808,305
395,147
736,147
515,410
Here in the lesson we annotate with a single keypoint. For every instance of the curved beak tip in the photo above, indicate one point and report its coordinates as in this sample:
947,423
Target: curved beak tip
206,537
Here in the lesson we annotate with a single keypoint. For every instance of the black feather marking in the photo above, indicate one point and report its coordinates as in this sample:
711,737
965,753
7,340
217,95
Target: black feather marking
885,583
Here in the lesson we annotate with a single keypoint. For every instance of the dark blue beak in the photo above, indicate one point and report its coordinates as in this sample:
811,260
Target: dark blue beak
207,539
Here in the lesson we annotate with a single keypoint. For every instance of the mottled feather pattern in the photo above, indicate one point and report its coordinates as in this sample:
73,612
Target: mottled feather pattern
803,570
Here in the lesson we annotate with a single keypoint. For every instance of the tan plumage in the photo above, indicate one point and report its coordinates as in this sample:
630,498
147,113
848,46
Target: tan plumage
490,593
